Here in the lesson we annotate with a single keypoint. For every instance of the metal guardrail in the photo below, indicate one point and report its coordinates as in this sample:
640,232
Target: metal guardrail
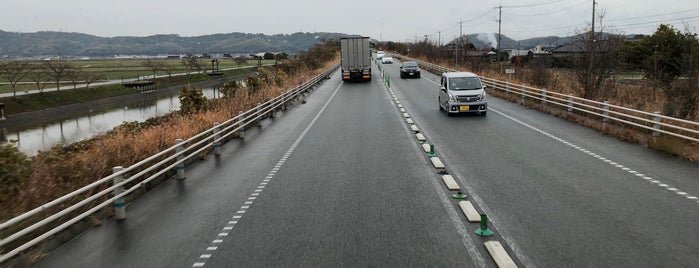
655,122
174,158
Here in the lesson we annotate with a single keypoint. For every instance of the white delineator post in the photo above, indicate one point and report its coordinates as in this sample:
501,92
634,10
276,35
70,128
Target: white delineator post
656,126
217,144
119,205
180,159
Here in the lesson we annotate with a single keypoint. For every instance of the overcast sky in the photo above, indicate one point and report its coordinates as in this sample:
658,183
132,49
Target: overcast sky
386,20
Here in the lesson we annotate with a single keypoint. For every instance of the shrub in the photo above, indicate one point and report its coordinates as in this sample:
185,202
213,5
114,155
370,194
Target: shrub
15,168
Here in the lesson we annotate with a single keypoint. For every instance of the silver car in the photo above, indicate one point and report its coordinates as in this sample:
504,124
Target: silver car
462,92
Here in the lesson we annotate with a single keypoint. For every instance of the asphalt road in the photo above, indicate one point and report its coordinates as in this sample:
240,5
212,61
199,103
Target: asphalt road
560,194
340,181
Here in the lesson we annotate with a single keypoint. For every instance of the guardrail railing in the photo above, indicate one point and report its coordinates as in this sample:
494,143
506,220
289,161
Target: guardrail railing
655,122
111,188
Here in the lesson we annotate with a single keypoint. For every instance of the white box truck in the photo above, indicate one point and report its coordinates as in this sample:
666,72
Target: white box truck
356,58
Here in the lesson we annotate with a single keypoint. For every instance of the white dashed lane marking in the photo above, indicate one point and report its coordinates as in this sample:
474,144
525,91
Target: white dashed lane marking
610,162
258,191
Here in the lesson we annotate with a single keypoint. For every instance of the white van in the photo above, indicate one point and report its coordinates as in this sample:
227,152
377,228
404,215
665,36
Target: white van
462,92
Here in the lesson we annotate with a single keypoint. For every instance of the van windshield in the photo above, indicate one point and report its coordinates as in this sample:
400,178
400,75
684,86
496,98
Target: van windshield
464,83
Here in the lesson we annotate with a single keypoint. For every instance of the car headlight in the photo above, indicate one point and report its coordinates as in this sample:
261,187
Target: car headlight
451,98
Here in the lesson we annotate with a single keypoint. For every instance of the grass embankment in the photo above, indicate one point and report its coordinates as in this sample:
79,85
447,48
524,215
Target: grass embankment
40,101
113,69
636,94
61,170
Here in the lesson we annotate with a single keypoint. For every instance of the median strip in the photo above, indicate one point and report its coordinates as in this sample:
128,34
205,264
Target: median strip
426,147
469,211
420,137
450,182
414,128
437,163
500,256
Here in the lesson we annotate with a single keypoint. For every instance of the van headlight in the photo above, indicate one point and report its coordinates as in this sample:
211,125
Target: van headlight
451,98
481,97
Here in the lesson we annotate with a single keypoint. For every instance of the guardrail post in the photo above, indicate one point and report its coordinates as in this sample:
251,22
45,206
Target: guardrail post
522,95
119,205
2,111
606,112
180,159
258,108
656,126
217,144
570,103
543,96
507,87
241,126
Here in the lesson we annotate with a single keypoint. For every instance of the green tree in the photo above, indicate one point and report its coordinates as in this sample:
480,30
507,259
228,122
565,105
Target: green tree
192,100
664,52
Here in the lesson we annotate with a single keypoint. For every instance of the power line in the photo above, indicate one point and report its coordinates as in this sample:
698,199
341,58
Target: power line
549,12
657,15
536,4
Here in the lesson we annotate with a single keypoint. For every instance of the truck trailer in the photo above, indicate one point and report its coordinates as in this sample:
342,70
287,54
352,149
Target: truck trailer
356,58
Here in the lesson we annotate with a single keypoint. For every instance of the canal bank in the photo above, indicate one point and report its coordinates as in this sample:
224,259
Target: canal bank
19,121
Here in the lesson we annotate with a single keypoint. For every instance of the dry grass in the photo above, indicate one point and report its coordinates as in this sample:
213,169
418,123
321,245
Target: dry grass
64,169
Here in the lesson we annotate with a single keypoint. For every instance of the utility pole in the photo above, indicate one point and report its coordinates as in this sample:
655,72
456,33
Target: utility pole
592,42
439,43
499,35
458,43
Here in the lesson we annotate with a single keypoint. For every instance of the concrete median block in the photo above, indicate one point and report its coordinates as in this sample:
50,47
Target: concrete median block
470,211
406,115
450,182
403,110
410,121
500,256
414,128
420,137
426,147
400,105
437,163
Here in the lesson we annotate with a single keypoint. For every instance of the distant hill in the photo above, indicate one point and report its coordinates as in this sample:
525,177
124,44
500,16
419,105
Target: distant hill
489,40
76,44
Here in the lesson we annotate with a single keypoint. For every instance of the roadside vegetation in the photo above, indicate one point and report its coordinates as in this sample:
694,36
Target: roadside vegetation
605,67
34,181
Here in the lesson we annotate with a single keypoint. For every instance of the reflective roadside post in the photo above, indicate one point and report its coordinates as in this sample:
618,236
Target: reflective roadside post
217,143
2,111
119,205
180,159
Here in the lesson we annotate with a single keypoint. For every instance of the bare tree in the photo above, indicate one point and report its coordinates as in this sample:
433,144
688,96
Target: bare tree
598,57
191,63
154,65
57,70
38,75
91,77
14,71
75,76
240,61
168,69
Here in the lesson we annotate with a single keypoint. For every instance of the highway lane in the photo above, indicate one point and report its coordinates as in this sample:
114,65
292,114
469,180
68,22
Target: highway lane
352,190
555,205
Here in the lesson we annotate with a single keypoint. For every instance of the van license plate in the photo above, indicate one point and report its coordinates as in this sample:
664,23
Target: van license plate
463,108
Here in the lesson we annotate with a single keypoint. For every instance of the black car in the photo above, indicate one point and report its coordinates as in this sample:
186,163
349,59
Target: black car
409,69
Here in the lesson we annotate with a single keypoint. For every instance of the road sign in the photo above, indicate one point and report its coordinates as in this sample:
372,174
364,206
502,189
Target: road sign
509,70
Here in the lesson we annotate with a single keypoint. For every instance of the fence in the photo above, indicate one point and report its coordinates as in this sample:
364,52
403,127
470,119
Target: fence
153,167
654,122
